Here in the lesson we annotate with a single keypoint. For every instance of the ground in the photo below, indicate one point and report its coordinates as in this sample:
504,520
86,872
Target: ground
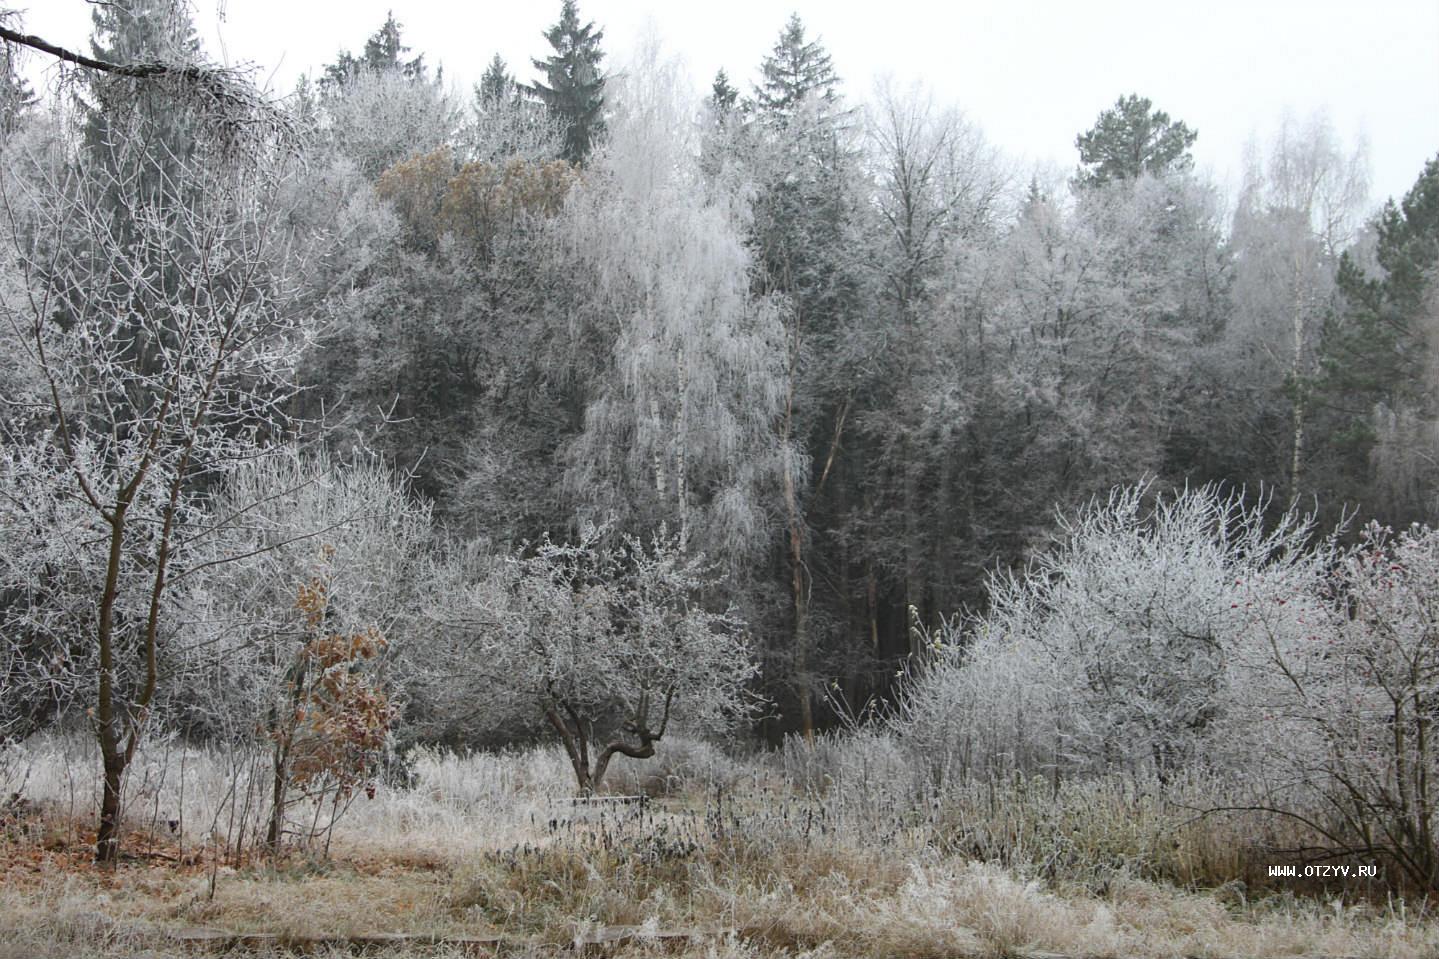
486,853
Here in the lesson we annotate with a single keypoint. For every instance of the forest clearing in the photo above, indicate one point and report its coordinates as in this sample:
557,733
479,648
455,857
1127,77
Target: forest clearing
597,514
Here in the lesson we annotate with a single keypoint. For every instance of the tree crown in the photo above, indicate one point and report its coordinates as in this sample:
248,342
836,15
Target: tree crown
795,69
1132,139
384,52
573,90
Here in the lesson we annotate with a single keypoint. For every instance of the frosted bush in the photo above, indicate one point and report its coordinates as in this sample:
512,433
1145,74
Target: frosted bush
1118,648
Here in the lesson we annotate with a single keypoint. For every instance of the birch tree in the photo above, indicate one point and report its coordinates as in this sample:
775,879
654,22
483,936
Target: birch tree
1299,209
679,426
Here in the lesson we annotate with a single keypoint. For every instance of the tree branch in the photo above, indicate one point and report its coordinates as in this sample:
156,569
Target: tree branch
137,70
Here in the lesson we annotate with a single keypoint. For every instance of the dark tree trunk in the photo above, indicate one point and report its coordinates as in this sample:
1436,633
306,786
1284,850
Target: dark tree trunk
576,734
276,830
107,838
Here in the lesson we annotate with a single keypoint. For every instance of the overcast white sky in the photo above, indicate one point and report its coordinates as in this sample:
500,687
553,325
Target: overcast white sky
1030,74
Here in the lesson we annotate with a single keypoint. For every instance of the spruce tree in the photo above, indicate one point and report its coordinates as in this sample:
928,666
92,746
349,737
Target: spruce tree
723,95
496,85
122,112
574,88
806,225
795,69
723,129
138,31
1132,139
16,95
117,108
16,98
507,122
384,51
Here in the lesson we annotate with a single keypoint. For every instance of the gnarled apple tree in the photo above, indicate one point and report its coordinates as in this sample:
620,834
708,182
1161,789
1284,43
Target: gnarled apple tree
610,643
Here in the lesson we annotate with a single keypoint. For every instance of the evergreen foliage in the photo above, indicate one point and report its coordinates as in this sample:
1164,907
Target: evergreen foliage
1378,372
850,356
1130,139
17,97
384,51
496,84
574,87
794,70
723,95
138,31
1376,348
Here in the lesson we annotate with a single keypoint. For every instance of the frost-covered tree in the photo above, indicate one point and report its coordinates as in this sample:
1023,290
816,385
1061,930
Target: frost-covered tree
507,124
1090,321
1380,360
155,382
1119,647
300,620
139,31
608,644
795,70
384,53
280,522
809,212
17,97
496,83
938,190
938,182
1340,723
723,95
377,118
679,427
451,352
1298,210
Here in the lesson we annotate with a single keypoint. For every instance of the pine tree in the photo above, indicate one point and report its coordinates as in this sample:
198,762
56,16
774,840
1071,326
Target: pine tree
574,91
1132,139
1377,352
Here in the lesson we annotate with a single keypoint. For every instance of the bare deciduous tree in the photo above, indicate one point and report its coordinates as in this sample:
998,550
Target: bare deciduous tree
609,644
1298,211
1118,648
155,306
1340,720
